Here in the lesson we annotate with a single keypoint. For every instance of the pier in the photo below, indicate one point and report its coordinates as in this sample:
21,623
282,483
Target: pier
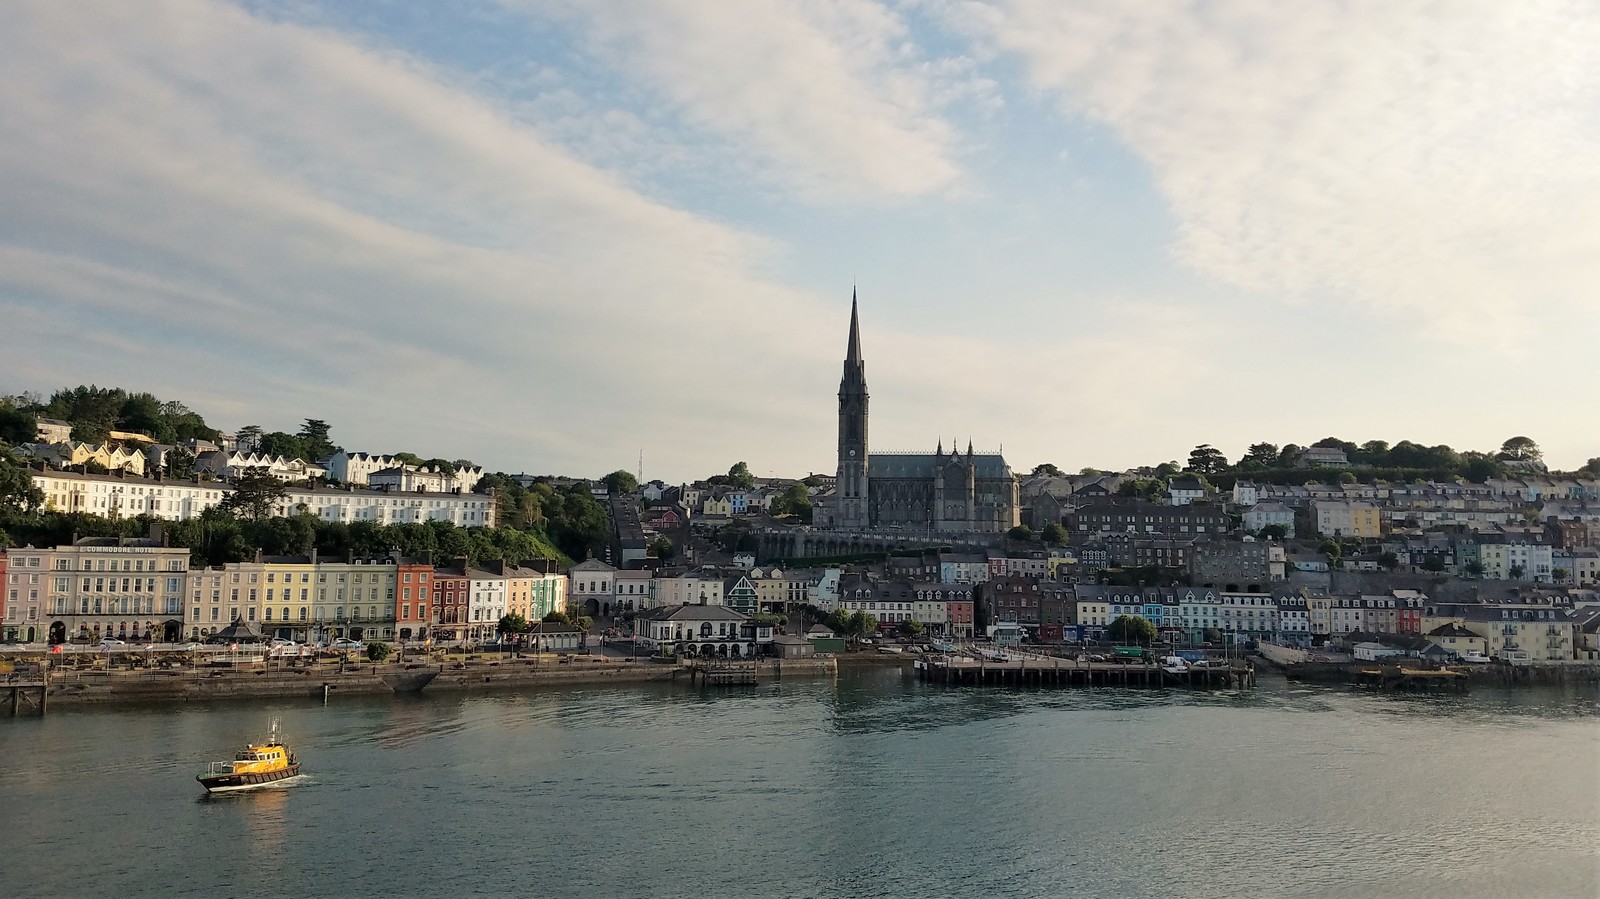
30,688
719,672
1049,671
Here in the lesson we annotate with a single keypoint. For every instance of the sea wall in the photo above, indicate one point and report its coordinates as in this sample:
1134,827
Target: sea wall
199,685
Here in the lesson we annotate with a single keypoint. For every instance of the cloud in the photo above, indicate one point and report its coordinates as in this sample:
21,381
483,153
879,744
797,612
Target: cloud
1427,161
337,227
834,99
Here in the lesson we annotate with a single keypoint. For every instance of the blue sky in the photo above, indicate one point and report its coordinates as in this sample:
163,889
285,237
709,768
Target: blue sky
547,234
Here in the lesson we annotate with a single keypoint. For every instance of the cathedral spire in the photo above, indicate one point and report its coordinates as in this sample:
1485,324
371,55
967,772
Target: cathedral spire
969,447
852,354
940,450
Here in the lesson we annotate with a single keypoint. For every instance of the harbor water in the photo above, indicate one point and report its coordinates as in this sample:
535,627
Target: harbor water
871,784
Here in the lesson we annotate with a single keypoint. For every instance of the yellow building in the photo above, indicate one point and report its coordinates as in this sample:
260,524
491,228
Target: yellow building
1347,519
1093,612
1520,632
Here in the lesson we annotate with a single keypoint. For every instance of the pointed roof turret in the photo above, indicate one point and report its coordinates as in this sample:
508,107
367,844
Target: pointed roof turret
940,450
969,447
852,354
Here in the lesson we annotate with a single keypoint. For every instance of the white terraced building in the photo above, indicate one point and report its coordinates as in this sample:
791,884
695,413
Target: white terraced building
112,496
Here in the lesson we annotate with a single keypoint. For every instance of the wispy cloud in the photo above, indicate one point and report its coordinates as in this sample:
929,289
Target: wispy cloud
1432,161
833,99
347,226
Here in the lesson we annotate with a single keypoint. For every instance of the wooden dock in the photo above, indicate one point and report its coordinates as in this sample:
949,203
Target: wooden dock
719,672
1047,671
30,689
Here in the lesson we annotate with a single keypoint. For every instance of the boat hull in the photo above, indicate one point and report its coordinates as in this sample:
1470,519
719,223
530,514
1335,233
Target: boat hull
229,783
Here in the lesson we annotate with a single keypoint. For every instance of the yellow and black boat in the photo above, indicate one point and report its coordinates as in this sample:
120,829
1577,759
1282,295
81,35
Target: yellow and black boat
257,765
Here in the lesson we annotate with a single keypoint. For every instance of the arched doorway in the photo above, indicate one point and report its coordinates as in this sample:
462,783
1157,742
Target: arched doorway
591,608
735,652
605,611
58,632
172,631
31,633
405,633
706,649
722,650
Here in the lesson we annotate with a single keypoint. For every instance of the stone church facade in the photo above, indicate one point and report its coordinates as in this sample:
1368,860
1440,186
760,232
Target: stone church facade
938,491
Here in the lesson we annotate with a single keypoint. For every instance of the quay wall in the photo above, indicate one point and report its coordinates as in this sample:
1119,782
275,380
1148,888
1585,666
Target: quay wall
88,688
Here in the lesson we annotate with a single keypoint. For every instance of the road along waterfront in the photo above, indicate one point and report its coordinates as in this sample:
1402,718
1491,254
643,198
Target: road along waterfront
868,783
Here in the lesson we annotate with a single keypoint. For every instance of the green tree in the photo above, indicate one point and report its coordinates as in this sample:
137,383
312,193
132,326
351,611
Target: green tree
795,500
863,623
1520,449
255,493
1480,468
1593,466
1046,469
1212,635
1333,550
180,463
1274,532
16,483
1373,452
1433,563
278,443
1389,561
16,425
1475,568
739,475
620,483
911,628
1132,629
511,624
377,653
248,436
1054,533
662,548
1260,455
1020,532
1207,459
556,617
1516,572
315,443
1559,574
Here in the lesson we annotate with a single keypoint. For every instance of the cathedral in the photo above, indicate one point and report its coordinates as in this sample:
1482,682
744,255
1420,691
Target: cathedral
936,491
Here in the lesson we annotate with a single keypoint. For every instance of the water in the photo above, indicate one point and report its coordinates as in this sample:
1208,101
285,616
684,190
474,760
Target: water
871,785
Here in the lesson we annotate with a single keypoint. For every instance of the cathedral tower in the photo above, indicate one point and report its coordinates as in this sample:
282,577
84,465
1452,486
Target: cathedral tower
851,485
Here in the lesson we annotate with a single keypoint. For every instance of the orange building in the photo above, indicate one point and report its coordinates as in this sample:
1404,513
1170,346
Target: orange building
413,605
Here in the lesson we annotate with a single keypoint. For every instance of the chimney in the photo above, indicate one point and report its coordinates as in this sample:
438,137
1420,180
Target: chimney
313,555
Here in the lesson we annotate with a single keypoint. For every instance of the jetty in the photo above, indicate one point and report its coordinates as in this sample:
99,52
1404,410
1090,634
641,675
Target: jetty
1026,670
720,672
28,685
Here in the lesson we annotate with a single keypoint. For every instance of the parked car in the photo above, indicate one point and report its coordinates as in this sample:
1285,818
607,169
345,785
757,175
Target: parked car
343,643
112,643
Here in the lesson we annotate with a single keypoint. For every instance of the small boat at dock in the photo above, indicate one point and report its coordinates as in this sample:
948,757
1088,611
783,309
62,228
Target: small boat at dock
257,765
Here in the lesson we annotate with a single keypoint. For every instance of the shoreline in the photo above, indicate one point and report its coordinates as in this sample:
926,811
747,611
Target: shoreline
80,689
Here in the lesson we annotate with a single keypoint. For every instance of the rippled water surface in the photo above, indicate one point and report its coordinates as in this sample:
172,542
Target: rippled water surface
871,785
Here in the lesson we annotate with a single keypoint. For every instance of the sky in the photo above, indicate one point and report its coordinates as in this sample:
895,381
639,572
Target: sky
553,236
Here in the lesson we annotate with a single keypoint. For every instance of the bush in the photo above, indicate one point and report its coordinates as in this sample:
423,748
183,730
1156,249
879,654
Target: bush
377,652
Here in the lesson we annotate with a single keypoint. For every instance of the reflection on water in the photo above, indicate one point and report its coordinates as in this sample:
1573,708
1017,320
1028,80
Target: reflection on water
871,783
